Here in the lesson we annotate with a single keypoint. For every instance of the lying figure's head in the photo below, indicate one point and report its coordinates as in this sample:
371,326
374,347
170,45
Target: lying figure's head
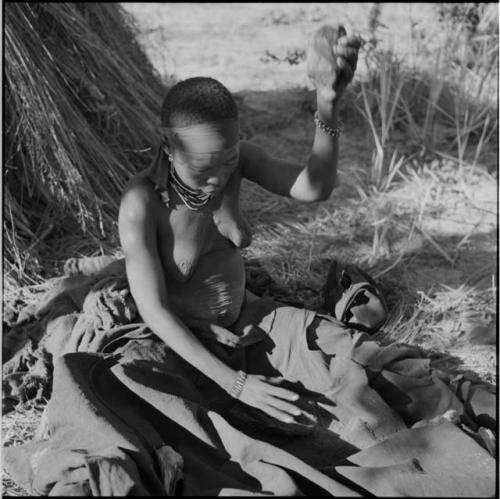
201,132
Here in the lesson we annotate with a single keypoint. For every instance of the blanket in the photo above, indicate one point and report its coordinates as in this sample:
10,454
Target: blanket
128,416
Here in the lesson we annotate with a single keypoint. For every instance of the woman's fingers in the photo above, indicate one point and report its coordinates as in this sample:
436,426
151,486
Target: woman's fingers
275,413
348,47
353,41
346,57
283,406
346,70
265,394
280,392
341,63
346,51
341,32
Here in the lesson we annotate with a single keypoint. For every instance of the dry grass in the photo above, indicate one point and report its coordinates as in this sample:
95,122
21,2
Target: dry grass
235,38
81,116
18,427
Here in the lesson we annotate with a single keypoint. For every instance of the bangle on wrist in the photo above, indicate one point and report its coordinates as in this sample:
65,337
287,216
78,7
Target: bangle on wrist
333,132
238,384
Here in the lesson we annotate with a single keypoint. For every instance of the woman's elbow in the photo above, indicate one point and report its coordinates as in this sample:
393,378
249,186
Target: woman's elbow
324,195
313,192
321,194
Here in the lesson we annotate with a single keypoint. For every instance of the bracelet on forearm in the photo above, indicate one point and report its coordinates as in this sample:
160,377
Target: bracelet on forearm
238,384
333,132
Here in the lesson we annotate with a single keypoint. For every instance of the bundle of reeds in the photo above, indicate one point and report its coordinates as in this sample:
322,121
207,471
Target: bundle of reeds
81,112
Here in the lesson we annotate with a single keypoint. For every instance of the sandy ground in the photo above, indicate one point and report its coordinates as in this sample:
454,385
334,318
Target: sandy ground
228,41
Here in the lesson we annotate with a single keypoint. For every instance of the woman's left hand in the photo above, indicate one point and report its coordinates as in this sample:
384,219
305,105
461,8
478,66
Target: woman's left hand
332,58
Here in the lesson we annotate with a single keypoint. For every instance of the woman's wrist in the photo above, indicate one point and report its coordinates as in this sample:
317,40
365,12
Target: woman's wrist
328,112
226,377
238,384
331,131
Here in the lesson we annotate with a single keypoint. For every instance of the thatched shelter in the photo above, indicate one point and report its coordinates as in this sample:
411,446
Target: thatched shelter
81,105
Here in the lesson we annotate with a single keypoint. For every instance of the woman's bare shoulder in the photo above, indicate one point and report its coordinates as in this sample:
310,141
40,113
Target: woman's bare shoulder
139,186
138,197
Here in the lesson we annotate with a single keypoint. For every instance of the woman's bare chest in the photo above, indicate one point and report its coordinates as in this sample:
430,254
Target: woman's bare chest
183,238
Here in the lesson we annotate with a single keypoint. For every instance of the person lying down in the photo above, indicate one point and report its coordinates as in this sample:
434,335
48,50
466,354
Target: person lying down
223,392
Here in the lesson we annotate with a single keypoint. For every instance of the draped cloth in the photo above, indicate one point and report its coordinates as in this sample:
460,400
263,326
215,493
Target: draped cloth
128,416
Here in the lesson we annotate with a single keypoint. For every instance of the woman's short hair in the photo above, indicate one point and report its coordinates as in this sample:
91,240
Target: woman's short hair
197,100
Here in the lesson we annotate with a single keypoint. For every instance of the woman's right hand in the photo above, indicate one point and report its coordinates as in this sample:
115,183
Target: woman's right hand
264,393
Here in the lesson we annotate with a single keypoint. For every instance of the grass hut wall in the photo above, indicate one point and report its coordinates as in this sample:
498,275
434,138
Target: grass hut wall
81,104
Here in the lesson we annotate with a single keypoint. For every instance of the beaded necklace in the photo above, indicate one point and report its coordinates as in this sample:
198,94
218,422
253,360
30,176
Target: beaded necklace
194,199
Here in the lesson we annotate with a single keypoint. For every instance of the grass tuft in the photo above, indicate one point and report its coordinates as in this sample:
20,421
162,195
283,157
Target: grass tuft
440,98
19,427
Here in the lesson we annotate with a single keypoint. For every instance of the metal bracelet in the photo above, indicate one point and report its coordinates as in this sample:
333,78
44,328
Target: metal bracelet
333,132
238,384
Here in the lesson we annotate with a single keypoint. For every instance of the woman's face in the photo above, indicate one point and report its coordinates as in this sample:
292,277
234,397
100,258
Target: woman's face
205,155
208,172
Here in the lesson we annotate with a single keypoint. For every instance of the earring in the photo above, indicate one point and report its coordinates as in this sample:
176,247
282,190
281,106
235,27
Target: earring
168,153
